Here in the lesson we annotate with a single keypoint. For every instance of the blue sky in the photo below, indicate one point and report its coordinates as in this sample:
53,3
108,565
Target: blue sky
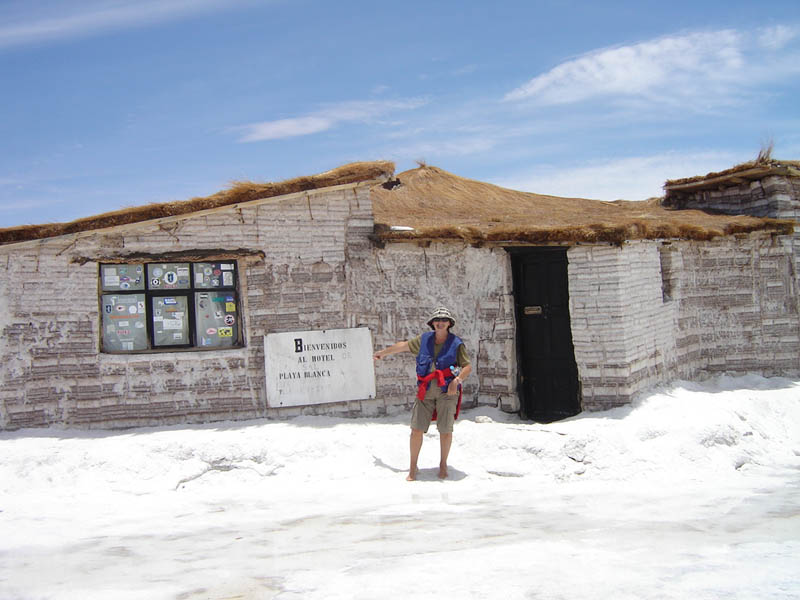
115,103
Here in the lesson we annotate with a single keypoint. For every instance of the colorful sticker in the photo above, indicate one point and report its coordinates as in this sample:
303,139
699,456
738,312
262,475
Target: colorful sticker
155,282
230,307
229,320
170,301
158,271
170,278
225,332
211,331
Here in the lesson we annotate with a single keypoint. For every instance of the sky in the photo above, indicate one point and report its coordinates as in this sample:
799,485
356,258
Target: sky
115,103
691,492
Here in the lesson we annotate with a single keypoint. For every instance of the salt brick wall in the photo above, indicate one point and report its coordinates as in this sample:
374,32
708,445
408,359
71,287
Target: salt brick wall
51,370
402,286
738,305
621,329
775,196
730,305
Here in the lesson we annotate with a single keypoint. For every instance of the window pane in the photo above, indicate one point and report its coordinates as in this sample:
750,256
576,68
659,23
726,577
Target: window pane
170,321
114,278
168,276
216,319
124,326
214,275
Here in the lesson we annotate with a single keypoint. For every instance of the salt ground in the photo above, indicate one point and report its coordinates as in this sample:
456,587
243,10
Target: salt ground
693,492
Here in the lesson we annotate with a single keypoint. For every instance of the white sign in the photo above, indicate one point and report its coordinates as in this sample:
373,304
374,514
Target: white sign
315,367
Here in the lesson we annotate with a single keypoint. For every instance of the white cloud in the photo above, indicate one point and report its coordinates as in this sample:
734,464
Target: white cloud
631,178
29,22
775,38
324,119
285,128
693,68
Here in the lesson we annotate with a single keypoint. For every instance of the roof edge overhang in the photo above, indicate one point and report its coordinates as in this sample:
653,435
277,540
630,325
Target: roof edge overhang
733,177
594,234
164,222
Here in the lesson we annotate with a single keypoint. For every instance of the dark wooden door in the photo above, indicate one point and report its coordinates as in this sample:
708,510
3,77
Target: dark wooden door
548,375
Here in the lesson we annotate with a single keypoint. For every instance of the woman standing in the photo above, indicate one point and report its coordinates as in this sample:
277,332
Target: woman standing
442,365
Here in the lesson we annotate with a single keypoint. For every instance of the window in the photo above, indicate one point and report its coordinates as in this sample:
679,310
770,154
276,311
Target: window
149,307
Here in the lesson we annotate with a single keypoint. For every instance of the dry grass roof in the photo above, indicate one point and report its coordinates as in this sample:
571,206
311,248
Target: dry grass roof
749,171
238,193
438,205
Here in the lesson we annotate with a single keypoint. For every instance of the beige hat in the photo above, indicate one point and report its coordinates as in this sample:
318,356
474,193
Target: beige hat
441,313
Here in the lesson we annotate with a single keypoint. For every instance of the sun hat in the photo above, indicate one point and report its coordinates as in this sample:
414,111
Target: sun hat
441,313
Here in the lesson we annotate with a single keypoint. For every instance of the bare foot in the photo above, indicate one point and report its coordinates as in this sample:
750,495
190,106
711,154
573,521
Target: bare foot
412,475
443,472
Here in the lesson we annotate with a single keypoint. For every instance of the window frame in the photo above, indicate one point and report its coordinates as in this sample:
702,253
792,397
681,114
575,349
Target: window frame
192,294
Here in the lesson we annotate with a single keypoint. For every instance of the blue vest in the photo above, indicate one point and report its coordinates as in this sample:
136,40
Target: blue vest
448,355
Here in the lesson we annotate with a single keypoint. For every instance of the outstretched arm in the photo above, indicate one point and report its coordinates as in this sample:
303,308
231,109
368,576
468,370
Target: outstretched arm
393,349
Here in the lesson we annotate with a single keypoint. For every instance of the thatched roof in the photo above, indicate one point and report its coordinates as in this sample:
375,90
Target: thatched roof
431,204
428,203
749,171
238,193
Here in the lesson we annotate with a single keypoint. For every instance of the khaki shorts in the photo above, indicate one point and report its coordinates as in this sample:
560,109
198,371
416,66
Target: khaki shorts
445,406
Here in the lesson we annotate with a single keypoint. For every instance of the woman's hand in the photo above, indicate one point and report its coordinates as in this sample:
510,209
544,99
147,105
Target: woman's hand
452,389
